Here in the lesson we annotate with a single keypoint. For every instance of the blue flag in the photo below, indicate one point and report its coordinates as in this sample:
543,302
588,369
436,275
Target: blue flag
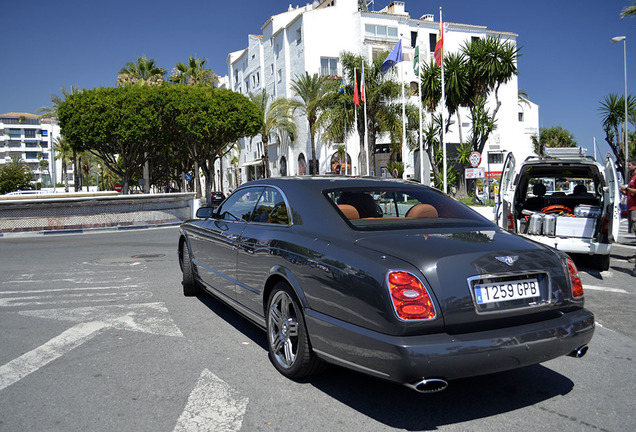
395,56
342,85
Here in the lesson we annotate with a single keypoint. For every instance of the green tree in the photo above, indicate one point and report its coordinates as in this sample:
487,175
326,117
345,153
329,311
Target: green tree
113,123
194,72
15,176
613,117
144,72
276,118
311,89
552,137
209,121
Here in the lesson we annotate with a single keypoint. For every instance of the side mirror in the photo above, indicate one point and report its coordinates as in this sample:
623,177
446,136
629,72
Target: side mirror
204,212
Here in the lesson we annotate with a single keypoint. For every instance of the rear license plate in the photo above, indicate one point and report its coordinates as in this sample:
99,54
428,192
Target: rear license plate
506,291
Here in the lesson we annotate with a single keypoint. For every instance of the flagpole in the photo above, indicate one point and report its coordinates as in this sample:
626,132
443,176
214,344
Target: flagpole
366,134
402,81
355,108
443,132
419,101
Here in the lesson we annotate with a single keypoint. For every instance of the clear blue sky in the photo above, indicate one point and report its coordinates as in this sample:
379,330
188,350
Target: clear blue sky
567,64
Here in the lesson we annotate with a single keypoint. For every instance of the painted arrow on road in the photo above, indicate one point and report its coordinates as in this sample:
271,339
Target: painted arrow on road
147,318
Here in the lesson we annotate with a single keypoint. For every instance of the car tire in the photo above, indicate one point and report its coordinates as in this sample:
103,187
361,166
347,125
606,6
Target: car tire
602,262
190,285
287,339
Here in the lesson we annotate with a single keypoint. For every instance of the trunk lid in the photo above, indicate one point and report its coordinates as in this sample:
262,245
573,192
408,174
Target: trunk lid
455,263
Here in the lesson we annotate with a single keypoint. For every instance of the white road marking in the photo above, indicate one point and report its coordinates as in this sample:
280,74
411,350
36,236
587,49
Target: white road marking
212,406
151,318
73,298
74,289
607,289
30,362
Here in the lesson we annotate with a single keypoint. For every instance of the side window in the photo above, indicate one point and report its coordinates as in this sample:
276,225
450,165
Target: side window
271,208
239,205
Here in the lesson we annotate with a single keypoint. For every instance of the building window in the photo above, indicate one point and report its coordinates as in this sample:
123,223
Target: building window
432,41
380,31
29,133
15,133
271,69
495,158
279,75
45,133
521,116
328,66
299,38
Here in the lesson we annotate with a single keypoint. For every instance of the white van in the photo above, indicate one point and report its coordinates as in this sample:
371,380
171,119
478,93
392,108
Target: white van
564,200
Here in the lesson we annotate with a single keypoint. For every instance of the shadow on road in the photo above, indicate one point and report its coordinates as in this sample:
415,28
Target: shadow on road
464,400
399,407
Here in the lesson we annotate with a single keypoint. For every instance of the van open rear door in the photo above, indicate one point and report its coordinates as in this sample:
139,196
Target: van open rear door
506,194
612,199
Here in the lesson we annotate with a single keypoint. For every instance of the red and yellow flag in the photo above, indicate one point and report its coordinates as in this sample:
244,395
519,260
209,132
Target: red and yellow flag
439,46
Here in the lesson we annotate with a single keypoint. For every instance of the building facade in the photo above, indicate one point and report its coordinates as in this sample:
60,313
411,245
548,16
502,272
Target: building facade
28,138
312,38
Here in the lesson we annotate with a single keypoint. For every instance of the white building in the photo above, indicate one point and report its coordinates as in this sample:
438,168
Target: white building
26,137
311,39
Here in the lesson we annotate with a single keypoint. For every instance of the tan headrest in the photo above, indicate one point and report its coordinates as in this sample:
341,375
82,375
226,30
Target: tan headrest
422,211
349,211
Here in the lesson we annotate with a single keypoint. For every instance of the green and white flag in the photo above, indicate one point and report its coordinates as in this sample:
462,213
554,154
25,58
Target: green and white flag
416,61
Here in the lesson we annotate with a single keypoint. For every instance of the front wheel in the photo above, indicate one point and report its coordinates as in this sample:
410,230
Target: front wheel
190,285
287,339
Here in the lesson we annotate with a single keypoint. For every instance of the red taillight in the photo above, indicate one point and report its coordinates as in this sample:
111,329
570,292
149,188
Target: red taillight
511,224
410,298
575,280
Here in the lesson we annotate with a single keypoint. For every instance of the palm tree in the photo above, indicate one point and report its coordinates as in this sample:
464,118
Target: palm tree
276,118
193,73
63,153
311,89
613,116
629,11
384,111
144,72
51,111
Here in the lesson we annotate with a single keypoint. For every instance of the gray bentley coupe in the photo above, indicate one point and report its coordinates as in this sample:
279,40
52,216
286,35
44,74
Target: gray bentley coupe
387,277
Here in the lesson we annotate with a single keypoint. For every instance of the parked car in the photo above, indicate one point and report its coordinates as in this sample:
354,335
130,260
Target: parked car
217,198
566,200
386,277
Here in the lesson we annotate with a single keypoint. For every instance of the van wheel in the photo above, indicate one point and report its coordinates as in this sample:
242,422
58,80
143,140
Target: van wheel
602,262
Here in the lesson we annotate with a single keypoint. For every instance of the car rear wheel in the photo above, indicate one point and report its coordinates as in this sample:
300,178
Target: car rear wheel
287,339
190,285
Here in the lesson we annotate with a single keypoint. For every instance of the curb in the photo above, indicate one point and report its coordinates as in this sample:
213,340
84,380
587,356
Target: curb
87,230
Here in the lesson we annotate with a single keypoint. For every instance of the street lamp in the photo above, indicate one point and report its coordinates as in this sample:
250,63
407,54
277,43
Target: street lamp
618,39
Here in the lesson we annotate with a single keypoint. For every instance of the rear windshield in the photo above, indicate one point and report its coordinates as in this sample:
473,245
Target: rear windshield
402,208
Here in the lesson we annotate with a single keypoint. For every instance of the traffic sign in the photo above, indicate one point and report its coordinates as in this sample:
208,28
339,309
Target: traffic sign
474,159
117,187
475,173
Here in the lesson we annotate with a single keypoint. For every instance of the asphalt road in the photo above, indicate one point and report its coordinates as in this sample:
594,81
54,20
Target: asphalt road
96,336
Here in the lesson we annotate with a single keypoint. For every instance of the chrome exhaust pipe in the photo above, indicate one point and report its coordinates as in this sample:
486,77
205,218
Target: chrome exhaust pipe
430,385
579,352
